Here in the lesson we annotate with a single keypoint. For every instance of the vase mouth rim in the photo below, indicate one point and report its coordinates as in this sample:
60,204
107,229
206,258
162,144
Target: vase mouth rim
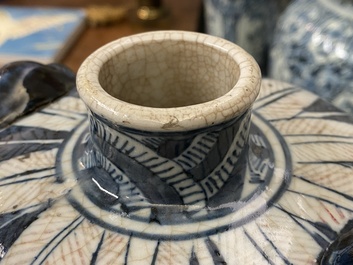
234,103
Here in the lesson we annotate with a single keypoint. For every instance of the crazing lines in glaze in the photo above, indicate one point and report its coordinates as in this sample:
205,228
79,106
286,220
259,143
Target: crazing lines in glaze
79,221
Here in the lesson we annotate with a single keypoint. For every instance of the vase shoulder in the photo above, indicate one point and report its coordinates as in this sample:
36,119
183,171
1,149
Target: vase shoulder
296,168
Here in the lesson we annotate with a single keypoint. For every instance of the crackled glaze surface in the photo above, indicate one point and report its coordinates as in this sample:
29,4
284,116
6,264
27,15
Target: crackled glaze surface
273,187
175,61
303,209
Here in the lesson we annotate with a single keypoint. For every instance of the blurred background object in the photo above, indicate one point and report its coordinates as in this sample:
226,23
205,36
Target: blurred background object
148,10
102,15
37,33
313,48
113,19
150,14
248,23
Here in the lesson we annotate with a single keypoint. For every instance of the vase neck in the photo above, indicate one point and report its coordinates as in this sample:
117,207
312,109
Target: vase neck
168,167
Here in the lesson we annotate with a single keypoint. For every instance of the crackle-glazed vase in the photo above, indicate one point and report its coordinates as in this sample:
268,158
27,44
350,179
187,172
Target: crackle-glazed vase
174,152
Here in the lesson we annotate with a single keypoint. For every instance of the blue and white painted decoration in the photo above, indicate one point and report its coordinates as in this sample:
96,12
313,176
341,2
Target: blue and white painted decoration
312,48
271,184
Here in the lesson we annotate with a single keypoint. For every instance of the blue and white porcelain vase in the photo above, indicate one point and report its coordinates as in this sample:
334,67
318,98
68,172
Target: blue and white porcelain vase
248,23
175,163
313,48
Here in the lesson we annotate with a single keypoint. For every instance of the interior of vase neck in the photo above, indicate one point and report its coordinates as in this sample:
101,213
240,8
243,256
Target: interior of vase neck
171,73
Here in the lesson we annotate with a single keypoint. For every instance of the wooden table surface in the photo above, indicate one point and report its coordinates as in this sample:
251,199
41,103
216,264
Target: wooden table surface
183,15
